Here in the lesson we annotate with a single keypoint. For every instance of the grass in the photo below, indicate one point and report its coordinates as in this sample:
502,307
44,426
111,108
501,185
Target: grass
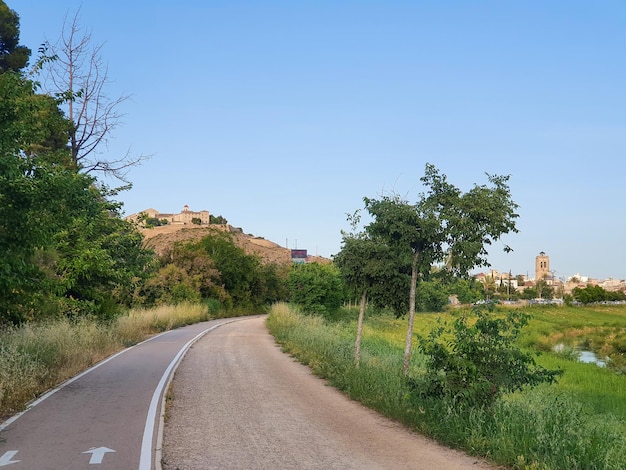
578,423
37,357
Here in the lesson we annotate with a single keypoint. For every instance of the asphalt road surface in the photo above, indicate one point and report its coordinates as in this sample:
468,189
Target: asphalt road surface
240,403
106,418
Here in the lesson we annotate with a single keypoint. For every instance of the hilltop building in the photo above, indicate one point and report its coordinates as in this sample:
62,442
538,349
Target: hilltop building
186,216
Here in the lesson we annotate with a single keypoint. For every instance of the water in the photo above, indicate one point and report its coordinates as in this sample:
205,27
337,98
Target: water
591,358
588,357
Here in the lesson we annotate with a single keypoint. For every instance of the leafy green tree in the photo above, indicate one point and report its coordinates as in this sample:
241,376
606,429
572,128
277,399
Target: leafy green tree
444,226
467,291
101,258
592,294
272,284
431,296
195,261
171,285
529,293
480,362
38,197
219,220
238,270
315,287
369,272
13,57
410,233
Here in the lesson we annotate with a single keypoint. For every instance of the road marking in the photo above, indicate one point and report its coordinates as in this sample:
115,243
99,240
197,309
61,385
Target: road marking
145,459
97,454
45,396
7,456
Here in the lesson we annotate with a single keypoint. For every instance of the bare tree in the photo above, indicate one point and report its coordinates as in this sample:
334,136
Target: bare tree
78,78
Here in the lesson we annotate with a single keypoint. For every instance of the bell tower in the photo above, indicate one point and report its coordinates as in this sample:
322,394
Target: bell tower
542,266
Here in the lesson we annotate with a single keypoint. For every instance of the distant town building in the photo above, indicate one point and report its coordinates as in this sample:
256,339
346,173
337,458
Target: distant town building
542,266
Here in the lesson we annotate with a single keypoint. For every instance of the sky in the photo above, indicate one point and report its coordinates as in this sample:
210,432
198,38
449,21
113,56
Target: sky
281,116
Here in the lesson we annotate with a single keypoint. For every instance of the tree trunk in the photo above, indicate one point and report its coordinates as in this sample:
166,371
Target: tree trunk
408,344
359,330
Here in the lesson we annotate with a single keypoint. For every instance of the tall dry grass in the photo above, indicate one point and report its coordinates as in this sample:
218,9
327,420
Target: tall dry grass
38,356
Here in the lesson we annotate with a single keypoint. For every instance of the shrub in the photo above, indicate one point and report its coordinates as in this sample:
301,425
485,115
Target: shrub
480,362
316,288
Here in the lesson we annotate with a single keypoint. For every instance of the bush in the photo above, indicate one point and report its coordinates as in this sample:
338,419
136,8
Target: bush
480,362
316,288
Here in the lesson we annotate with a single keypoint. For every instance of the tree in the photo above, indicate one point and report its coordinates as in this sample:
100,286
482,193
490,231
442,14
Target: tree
13,57
368,271
409,233
37,196
467,291
444,226
431,296
101,259
217,220
78,78
315,287
64,246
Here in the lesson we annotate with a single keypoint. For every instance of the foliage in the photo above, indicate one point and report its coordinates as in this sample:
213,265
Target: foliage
101,257
444,226
576,423
480,361
368,265
219,220
65,248
468,291
431,296
591,294
170,286
216,268
315,287
197,264
13,57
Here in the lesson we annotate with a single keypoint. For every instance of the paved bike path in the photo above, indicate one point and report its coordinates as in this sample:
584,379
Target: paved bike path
106,418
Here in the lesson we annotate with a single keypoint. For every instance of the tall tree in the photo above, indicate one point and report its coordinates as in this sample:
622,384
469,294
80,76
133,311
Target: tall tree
410,232
372,273
37,196
13,57
78,77
444,226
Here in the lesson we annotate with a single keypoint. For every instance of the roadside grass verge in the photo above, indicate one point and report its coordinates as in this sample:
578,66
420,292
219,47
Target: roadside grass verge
38,356
578,423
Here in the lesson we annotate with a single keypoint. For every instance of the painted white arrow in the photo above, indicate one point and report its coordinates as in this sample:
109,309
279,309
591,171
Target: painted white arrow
6,458
97,454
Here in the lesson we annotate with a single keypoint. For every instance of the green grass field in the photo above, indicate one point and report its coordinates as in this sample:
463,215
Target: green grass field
578,423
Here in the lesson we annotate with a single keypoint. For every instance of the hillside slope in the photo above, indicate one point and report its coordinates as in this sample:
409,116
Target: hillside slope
162,238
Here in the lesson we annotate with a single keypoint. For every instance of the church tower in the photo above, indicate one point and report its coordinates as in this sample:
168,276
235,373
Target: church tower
542,266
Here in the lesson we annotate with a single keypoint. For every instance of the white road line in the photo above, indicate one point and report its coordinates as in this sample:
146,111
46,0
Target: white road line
145,460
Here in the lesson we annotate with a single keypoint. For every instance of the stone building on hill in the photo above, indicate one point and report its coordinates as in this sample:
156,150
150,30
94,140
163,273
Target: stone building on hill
186,216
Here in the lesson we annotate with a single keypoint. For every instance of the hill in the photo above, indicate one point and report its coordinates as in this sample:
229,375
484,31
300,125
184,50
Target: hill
161,238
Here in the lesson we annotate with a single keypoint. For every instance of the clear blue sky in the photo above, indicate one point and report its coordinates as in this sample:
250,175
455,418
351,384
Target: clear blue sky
282,116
